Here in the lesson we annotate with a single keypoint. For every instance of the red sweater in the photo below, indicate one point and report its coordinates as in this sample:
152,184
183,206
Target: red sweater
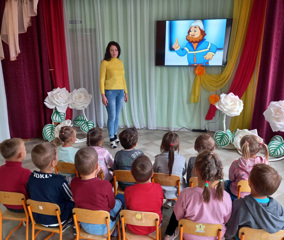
93,194
14,178
146,197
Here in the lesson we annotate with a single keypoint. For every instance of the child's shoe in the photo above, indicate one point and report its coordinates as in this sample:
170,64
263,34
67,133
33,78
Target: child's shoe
116,139
174,236
113,143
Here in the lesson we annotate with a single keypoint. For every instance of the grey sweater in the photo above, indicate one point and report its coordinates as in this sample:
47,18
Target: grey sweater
247,212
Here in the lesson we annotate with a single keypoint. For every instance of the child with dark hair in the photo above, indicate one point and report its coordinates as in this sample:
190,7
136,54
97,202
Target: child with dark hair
14,177
123,159
95,137
144,195
170,162
66,152
45,186
240,169
203,142
90,192
206,203
258,210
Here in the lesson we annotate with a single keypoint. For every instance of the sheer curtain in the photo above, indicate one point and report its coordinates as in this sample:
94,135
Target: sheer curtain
159,97
4,123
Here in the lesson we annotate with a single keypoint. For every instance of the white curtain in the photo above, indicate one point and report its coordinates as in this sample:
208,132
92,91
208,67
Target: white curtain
4,124
159,97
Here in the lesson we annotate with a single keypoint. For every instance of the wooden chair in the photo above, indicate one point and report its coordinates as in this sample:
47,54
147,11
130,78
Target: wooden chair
93,217
259,234
166,180
12,198
193,182
65,167
137,218
243,187
45,208
199,229
123,176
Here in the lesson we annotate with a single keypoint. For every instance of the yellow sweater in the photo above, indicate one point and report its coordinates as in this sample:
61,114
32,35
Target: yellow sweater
112,75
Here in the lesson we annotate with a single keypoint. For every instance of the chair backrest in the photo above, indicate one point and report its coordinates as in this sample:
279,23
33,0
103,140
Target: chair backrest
66,167
45,208
243,186
12,198
166,180
123,176
193,182
138,218
91,216
199,229
246,233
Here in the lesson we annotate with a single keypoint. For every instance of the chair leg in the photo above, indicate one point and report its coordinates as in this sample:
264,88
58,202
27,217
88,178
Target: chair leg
118,229
27,229
0,226
13,231
50,235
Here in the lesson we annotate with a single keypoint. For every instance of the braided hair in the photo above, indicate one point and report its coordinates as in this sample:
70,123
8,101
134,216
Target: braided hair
210,169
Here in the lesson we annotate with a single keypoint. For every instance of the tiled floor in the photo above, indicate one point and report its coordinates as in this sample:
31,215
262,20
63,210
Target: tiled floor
149,142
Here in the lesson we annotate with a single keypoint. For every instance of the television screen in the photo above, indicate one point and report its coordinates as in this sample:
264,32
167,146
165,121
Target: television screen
192,42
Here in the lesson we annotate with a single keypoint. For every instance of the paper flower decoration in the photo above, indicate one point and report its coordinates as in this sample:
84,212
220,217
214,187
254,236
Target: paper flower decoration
214,98
230,104
199,70
58,98
241,133
274,114
59,126
80,99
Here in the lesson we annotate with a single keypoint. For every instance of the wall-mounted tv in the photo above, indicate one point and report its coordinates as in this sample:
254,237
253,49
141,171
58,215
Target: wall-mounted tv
193,42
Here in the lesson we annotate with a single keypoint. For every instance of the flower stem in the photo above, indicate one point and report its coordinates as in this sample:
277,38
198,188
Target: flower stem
85,115
224,122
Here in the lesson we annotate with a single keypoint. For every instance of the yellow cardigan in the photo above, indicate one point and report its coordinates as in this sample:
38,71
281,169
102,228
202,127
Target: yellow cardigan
112,75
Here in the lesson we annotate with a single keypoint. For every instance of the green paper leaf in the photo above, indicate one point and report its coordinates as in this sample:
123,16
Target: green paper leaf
276,148
221,138
230,135
48,132
277,138
87,125
79,120
58,116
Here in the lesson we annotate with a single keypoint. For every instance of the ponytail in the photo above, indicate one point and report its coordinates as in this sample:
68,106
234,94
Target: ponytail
266,151
245,150
206,192
171,158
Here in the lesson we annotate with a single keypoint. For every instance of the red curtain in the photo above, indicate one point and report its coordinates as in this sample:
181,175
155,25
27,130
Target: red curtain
27,80
271,74
249,54
54,28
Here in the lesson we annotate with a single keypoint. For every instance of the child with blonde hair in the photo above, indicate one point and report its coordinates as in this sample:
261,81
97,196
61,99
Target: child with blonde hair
169,161
95,138
203,142
206,203
240,169
66,152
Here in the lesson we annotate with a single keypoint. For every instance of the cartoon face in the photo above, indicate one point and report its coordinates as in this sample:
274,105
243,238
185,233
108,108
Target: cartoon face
194,32
113,51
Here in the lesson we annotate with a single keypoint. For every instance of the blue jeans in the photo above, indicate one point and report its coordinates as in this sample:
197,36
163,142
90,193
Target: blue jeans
115,101
101,229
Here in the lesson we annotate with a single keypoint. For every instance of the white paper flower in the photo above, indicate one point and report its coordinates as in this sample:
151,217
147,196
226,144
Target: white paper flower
80,99
58,98
230,104
241,133
274,114
62,124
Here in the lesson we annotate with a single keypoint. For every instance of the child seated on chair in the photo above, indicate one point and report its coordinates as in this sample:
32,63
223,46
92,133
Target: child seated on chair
123,159
203,142
45,186
206,203
258,210
144,195
90,192
95,138
14,177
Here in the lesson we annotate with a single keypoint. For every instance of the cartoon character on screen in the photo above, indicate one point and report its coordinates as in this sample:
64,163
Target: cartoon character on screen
198,50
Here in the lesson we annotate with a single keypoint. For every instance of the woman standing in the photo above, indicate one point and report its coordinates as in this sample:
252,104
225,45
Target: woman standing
113,88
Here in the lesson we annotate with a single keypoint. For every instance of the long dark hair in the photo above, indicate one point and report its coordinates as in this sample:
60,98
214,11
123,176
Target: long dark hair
170,143
107,53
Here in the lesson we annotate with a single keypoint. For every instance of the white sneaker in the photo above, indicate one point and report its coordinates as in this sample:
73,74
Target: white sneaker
174,236
113,144
117,141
